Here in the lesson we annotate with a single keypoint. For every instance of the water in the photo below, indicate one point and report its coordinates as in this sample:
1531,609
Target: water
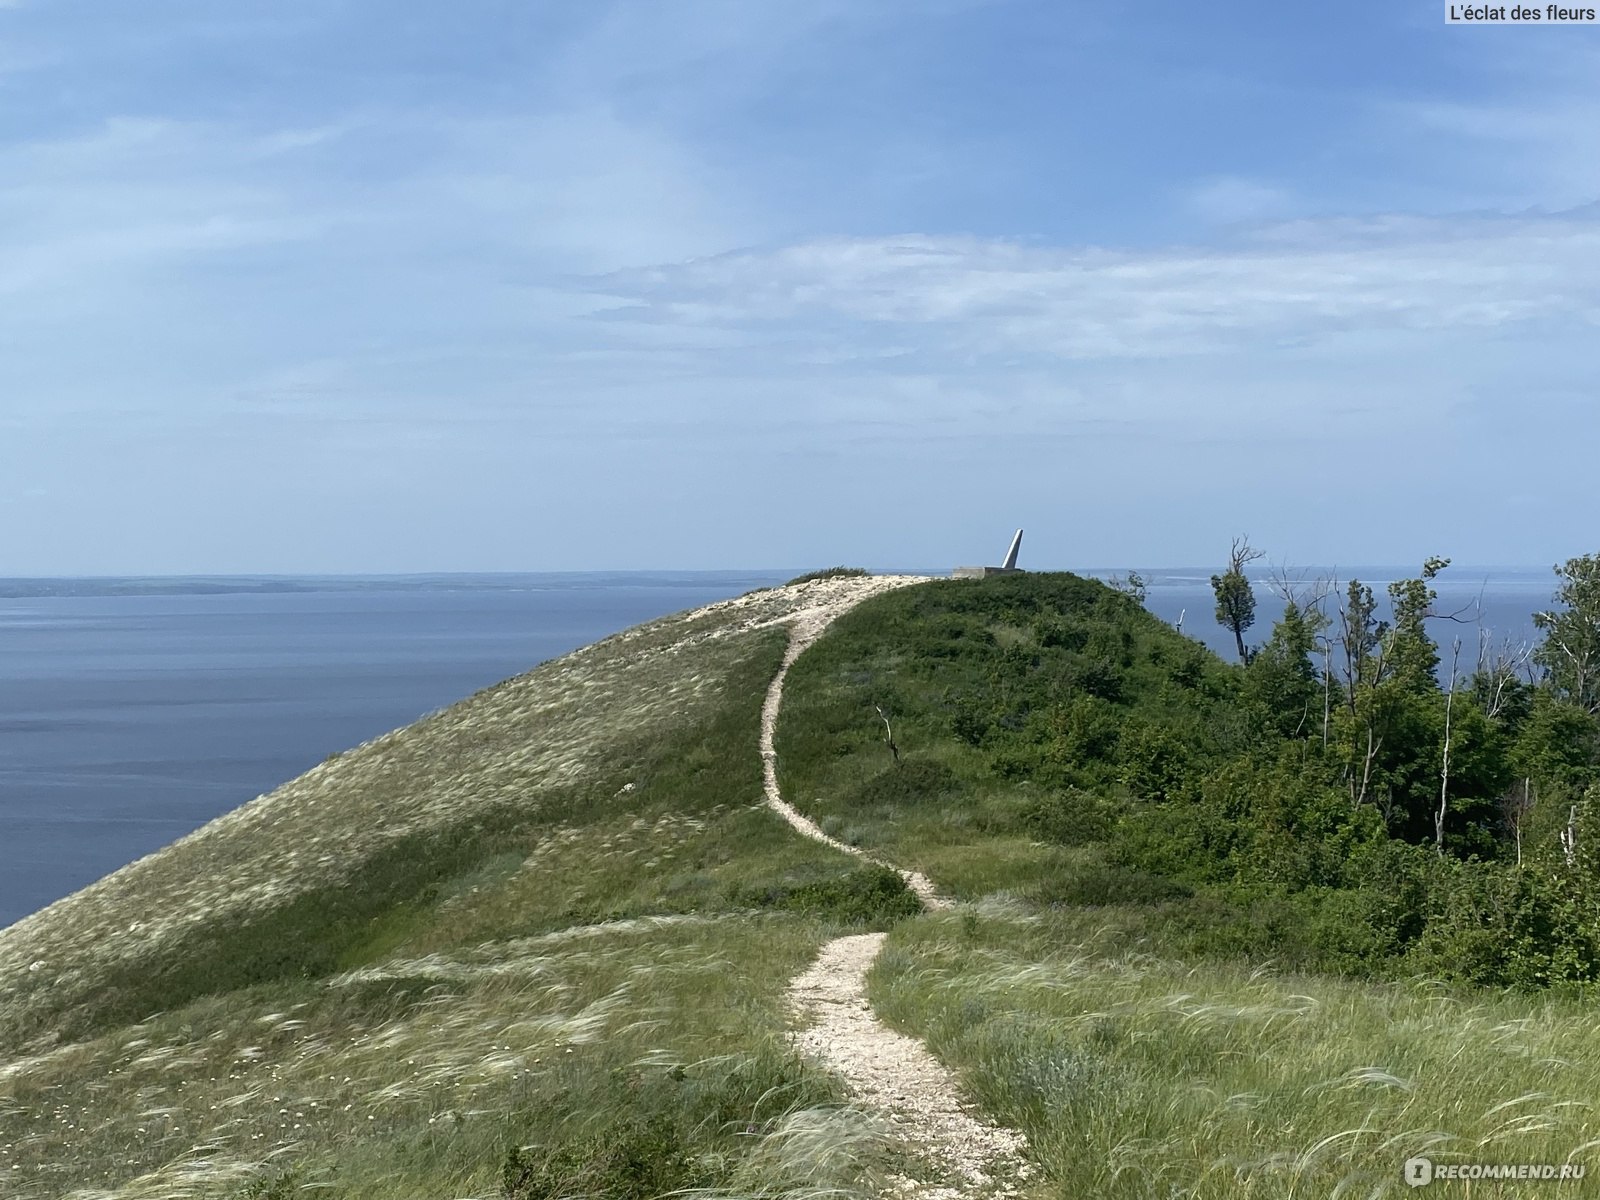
133,711
1495,603
128,719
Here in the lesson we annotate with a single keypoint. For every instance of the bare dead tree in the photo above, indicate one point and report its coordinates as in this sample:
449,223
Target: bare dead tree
1569,837
1366,663
1306,594
1515,808
1327,686
1444,767
1132,584
1500,667
1358,797
888,734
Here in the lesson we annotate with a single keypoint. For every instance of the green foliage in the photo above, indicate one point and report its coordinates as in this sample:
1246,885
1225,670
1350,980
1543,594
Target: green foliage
870,896
1270,811
1570,652
1093,885
1558,743
631,1159
1282,682
1497,926
1045,680
829,573
1236,599
1236,604
1070,817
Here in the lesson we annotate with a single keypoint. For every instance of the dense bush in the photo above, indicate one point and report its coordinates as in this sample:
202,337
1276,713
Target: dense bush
1093,885
631,1159
1266,809
871,895
1070,817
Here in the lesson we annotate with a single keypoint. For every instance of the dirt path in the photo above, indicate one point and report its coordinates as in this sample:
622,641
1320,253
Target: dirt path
896,1075
806,627
888,1071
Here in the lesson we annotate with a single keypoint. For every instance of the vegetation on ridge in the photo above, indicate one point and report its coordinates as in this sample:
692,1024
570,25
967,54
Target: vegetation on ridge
1056,739
1170,862
828,573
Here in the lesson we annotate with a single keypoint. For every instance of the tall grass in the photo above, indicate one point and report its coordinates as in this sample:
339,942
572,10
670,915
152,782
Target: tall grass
1136,1074
484,951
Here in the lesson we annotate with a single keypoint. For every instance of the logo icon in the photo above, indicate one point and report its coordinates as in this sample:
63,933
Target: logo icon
1419,1172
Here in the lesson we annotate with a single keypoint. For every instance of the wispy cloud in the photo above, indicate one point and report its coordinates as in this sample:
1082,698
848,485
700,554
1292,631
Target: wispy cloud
1529,137
1303,283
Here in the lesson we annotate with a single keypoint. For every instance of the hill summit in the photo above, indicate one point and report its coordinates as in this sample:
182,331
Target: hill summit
685,912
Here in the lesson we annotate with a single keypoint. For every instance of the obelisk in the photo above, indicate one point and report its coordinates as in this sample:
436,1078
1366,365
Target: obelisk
1010,563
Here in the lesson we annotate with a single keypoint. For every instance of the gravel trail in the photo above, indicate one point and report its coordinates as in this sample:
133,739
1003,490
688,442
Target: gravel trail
889,1072
806,626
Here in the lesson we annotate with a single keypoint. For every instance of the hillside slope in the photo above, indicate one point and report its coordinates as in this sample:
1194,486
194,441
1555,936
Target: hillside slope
538,940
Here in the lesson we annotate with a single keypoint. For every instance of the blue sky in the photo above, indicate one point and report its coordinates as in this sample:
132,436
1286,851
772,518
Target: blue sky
355,286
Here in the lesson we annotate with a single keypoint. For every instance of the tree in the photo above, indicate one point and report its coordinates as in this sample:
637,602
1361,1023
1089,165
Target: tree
1413,656
1363,639
1132,584
1282,678
1444,763
1394,715
1236,599
1570,652
888,734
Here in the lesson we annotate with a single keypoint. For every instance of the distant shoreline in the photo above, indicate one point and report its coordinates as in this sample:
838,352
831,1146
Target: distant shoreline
32,586
28,587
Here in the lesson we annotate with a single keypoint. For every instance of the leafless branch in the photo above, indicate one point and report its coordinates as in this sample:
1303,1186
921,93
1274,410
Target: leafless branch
888,733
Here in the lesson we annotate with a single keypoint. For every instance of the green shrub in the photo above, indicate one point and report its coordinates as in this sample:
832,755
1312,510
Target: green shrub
1097,676
1070,817
871,896
913,781
279,1186
1061,633
632,1159
1096,885
1498,926
829,573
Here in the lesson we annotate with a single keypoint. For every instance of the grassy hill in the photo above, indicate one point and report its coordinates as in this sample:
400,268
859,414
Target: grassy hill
536,941
536,945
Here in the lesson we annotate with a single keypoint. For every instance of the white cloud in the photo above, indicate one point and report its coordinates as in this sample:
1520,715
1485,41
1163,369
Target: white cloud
87,210
1298,283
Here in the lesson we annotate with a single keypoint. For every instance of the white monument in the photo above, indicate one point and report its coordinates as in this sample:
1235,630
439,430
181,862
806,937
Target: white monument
1009,567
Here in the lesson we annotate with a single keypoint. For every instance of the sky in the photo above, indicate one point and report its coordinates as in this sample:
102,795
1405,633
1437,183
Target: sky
349,285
